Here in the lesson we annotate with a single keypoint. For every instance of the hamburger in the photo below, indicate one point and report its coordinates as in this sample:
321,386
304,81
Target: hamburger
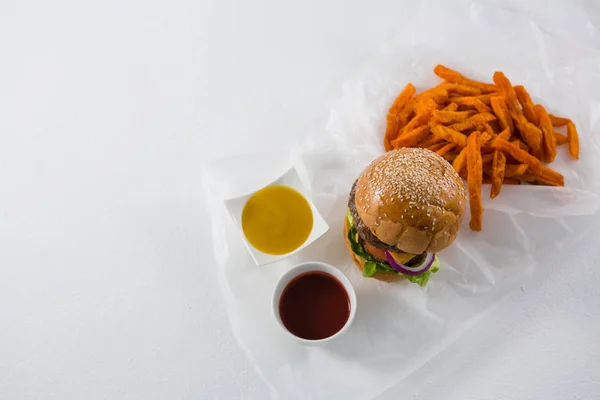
405,207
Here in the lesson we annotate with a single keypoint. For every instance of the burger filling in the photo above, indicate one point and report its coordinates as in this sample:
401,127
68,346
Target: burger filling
367,246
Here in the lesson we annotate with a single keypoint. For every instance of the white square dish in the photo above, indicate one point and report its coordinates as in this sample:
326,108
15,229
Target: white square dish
235,206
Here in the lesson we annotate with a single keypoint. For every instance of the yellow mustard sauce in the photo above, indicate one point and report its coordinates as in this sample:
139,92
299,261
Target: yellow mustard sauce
277,220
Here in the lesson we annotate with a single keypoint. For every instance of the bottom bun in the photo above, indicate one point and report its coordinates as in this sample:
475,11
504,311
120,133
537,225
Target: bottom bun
385,276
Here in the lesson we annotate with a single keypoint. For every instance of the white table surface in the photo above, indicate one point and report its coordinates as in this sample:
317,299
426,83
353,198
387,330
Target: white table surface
107,287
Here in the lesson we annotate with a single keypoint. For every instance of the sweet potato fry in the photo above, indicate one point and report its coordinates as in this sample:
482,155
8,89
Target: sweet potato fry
518,154
391,130
531,133
403,98
548,182
498,167
424,110
411,138
550,175
545,176
526,103
455,77
471,100
501,111
460,161
548,139
520,145
450,135
480,106
425,103
558,121
407,113
474,178
459,89
472,122
573,140
437,94
474,102
507,91
450,117
451,107
515,170
560,138
483,117
446,148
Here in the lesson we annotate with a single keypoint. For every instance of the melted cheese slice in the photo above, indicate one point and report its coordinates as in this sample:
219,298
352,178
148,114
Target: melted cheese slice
402,258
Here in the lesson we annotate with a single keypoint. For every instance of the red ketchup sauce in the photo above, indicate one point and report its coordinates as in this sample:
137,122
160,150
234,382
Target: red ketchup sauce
314,305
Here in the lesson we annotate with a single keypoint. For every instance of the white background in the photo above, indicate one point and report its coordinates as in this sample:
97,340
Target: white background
107,112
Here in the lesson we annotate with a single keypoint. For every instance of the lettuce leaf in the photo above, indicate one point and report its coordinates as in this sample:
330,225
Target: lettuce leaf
369,269
350,218
422,279
372,265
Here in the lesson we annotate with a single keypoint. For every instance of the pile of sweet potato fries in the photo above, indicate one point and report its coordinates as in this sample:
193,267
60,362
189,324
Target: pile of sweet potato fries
492,133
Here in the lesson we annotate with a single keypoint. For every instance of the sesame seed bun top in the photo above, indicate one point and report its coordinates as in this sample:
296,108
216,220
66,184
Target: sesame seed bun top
411,199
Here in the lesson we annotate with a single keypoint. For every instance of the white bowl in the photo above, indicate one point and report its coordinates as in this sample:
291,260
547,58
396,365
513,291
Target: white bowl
235,206
309,267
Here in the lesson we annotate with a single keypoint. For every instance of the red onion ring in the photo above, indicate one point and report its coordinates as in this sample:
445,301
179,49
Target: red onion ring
413,271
